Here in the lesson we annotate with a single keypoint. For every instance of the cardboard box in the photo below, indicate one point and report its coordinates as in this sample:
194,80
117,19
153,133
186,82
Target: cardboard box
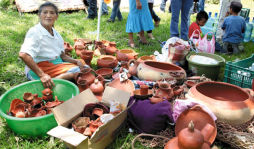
73,108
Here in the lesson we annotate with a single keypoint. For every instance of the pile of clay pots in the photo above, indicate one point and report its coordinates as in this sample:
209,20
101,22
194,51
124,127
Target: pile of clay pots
33,106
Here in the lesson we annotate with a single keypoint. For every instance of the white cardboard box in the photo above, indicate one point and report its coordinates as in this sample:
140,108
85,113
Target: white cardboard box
73,108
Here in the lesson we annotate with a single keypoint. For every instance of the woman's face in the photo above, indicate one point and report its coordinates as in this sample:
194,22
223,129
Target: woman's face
48,16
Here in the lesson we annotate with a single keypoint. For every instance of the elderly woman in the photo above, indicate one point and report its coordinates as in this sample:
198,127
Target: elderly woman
43,52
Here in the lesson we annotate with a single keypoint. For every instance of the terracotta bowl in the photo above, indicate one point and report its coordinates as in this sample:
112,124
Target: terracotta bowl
105,72
200,119
139,96
230,103
127,85
190,83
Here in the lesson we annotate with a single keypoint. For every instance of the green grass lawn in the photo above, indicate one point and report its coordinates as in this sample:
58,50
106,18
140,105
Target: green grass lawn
13,28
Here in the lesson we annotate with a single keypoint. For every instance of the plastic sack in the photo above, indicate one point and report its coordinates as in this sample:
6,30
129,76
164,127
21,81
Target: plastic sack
208,46
203,59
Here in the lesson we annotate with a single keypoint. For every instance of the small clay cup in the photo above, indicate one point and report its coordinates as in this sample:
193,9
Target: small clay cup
144,89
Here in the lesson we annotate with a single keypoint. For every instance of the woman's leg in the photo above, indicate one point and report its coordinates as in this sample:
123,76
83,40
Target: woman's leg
186,6
131,41
149,33
142,37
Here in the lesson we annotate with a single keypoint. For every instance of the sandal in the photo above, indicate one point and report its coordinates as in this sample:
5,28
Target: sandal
134,46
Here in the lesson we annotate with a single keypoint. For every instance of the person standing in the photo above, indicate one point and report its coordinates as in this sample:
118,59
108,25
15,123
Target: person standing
115,11
201,6
92,9
154,16
177,6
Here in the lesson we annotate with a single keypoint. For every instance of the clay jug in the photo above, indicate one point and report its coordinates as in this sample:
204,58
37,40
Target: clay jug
87,56
82,84
156,99
107,61
133,68
97,87
126,55
164,90
86,74
111,48
79,46
177,90
47,95
67,47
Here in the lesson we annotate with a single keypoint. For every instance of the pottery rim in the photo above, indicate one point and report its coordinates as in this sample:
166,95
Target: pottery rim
161,64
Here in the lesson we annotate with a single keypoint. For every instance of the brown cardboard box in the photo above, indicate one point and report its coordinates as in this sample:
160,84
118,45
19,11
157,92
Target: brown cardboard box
73,108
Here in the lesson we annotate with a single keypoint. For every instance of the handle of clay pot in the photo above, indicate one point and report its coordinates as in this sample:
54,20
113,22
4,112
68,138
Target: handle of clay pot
153,56
93,71
176,73
197,107
250,91
76,76
136,55
131,61
154,86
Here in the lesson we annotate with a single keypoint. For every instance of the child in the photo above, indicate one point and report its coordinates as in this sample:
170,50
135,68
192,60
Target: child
201,20
115,11
233,26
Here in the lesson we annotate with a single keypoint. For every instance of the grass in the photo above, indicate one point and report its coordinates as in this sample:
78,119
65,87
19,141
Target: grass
13,28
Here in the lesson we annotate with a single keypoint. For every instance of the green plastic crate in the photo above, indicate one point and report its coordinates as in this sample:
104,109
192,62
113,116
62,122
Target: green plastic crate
245,12
237,73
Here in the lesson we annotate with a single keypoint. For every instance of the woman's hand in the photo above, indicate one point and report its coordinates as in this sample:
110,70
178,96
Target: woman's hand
139,5
47,81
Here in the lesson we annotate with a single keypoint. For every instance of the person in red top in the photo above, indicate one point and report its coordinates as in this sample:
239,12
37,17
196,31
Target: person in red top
201,20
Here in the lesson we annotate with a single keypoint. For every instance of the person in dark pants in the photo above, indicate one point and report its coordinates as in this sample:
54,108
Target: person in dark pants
154,16
115,11
92,9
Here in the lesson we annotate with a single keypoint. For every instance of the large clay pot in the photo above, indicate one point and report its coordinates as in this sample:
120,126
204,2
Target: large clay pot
126,55
164,90
231,104
111,48
154,70
82,84
87,56
126,85
133,68
97,88
107,61
146,58
86,74
202,121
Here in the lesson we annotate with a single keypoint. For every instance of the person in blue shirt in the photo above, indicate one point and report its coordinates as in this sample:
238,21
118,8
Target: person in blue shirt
233,27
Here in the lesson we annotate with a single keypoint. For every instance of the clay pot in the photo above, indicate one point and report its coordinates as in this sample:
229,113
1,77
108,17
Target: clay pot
116,75
80,124
111,48
154,70
99,44
47,95
164,90
124,64
87,132
190,83
97,87
93,125
37,100
67,47
20,114
138,95
156,99
87,56
105,42
86,74
177,91
28,97
14,102
97,111
104,72
231,104
50,105
82,84
133,67
107,61
146,58
101,79
126,55
126,85
200,118
172,81
79,46
19,108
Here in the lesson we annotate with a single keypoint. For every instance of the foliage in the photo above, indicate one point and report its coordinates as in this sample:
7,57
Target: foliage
4,3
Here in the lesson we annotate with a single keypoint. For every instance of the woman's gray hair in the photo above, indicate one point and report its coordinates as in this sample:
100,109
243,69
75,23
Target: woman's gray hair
46,5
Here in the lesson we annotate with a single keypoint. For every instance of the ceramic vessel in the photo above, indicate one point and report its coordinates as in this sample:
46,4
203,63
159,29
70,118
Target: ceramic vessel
99,51
37,100
79,46
107,61
47,95
105,42
97,111
67,47
87,56
19,108
14,102
111,48
146,58
28,97
164,90
101,79
82,84
190,83
126,55
126,85
154,70
124,64
97,87
177,90
144,89
133,65
200,118
86,74
80,124
116,75
231,104
139,96
93,125
104,72
156,99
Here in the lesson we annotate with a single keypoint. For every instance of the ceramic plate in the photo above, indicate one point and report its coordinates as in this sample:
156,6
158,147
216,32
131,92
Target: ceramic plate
137,94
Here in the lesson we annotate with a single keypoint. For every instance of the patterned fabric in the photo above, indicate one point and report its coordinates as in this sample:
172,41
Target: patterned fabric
177,53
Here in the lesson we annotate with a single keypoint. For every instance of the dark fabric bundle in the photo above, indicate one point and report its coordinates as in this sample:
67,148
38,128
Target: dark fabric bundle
149,118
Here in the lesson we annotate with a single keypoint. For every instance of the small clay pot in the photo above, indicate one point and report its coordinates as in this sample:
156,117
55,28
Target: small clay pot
14,102
97,87
144,89
107,61
19,108
87,132
126,55
190,83
80,124
177,91
164,90
116,75
86,74
47,95
97,111
20,114
87,56
82,84
156,99
146,58
133,69
37,100
104,72
111,48
67,47
28,97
